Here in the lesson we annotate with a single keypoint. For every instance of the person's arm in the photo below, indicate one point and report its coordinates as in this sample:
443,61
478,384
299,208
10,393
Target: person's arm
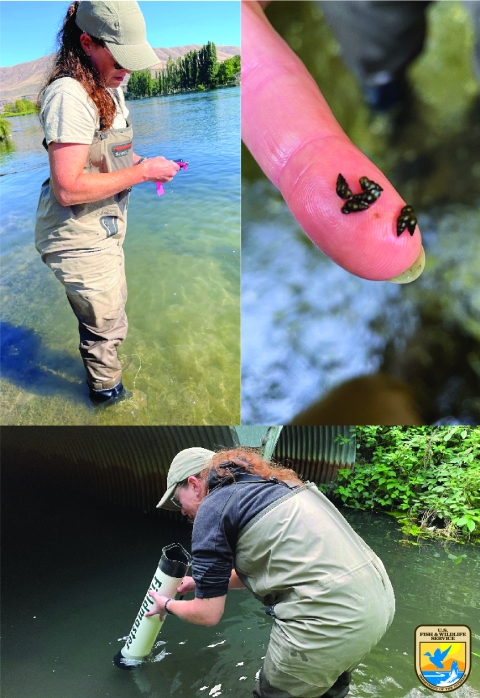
188,584
235,581
72,186
198,611
290,130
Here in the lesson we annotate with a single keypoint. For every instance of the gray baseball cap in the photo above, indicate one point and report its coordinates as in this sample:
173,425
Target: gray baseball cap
188,462
122,28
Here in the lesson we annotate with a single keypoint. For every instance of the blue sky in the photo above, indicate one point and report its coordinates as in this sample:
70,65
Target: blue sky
28,29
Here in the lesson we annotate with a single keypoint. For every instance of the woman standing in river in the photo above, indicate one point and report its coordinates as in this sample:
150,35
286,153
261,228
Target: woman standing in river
258,526
82,211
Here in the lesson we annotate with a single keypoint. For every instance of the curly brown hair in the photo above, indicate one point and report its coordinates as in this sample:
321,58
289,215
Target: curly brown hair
251,461
71,61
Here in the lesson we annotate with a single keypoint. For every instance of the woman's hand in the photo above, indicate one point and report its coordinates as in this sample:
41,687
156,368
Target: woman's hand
159,169
235,581
72,186
187,585
159,606
291,132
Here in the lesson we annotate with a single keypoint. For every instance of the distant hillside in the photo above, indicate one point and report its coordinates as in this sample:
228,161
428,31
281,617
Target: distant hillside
25,79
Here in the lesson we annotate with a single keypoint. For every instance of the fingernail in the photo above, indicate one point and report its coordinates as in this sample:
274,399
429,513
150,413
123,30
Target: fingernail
412,272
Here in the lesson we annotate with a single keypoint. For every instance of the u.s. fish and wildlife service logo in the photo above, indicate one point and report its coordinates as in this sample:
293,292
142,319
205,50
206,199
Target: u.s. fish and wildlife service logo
442,656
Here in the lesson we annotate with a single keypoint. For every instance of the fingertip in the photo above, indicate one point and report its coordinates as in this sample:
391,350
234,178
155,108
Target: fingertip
365,242
413,271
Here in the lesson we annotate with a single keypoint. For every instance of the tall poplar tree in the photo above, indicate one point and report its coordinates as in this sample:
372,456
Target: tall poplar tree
195,70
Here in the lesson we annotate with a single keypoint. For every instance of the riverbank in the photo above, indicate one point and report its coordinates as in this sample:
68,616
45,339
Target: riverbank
203,90
8,115
425,477
5,131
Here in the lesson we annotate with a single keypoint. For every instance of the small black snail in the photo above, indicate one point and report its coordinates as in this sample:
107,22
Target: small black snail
342,188
353,205
371,190
357,202
406,219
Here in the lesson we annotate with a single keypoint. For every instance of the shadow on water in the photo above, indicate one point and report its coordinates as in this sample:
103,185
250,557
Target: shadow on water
309,328
32,366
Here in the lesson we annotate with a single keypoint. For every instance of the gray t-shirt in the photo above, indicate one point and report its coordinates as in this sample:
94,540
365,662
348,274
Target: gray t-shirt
68,115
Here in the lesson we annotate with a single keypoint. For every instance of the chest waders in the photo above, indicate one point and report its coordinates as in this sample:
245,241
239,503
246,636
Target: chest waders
83,246
329,594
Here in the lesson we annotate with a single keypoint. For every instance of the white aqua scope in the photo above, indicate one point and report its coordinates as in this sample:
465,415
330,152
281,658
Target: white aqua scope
172,568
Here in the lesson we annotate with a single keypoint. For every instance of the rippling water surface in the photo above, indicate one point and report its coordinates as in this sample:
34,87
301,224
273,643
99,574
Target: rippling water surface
181,356
75,573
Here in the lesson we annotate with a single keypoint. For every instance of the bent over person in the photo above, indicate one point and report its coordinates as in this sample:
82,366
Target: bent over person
82,212
258,526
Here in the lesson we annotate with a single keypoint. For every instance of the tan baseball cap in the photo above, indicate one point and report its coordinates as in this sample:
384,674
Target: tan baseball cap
188,462
122,28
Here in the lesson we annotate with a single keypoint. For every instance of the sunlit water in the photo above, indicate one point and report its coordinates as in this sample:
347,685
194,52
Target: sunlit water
181,356
307,325
75,572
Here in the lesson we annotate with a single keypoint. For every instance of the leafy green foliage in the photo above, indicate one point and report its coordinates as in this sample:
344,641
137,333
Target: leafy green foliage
4,129
196,70
21,106
427,477
228,71
141,84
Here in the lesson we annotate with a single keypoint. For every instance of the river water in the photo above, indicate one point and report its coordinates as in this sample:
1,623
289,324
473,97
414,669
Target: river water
181,356
309,326
75,571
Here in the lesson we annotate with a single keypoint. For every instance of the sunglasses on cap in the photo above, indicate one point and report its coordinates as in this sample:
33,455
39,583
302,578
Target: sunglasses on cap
173,498
116,65
100,42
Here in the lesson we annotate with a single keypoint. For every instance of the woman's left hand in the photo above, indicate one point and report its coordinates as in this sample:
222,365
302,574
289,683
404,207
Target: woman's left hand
159,606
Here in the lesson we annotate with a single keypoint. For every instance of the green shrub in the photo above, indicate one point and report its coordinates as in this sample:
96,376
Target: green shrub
21,106
428,477
4,129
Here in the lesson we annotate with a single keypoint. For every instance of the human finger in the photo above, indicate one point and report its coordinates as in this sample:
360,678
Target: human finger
157,608
293,135
186,585
159,169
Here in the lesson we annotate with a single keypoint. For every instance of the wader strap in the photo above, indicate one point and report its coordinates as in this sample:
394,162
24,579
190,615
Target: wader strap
273,505
244,478
250,477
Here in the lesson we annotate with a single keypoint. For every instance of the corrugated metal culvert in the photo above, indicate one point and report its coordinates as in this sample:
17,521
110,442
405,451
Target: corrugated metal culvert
126,465
129,465
316,453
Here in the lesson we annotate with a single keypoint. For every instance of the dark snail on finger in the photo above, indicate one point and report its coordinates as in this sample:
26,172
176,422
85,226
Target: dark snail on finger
342,188
361,201
353,205
371,191
406,219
